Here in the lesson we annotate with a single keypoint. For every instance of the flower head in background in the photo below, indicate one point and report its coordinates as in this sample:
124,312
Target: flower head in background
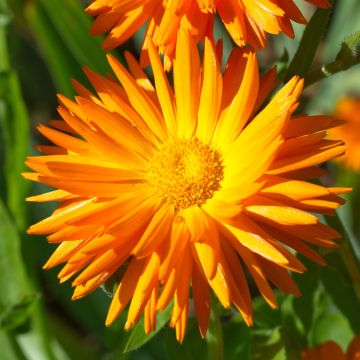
348,109
185,185
330,350
247,21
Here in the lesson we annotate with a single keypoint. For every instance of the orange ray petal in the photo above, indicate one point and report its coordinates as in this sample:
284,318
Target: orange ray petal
125,289
186,83
211,94
201,293
146,284
275,212
139,99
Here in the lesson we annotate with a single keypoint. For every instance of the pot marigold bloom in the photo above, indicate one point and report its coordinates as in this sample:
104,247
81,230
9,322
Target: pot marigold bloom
185,185
331,350
353,350
247,21
348,109
328,350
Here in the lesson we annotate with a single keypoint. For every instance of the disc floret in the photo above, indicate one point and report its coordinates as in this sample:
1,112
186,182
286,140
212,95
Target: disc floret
185,172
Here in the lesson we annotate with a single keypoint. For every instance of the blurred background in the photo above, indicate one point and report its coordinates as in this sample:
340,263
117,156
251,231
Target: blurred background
44,44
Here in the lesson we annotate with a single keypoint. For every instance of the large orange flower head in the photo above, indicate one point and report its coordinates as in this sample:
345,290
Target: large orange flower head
330,350
187,185
348,109
248,21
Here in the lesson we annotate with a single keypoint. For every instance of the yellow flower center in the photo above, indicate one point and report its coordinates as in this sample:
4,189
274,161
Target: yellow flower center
185,172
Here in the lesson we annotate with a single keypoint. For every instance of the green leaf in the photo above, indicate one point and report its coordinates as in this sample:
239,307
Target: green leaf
308,283
15,314
136,337
72,25
192,348
14,126
5,19
16,297
264,316
71,341
267,344
10,349
292,329
62,64
62,32
305,54
298,312
343,295
33,349
236,338
329,324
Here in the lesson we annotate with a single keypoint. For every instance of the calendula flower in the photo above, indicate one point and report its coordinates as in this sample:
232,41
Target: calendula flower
353,350
247,21
185,185
348,109
328,350
331,350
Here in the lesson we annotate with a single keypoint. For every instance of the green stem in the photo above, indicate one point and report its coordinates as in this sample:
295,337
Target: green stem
351,264
347,253
348,56
325,71
214,337
312,36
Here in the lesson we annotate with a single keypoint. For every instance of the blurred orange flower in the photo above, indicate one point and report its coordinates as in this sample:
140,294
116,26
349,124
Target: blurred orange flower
247,21
353,350
348,109
185,185
330,350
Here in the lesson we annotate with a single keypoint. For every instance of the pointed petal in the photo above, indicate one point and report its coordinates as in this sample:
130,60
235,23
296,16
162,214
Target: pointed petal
186,82
211,94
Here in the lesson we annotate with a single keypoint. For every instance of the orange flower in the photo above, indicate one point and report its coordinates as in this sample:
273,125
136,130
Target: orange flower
353,350
247,21
175,186
348,109
330,350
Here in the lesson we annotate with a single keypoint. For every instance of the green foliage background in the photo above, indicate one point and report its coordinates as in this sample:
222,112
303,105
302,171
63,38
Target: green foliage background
45,43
